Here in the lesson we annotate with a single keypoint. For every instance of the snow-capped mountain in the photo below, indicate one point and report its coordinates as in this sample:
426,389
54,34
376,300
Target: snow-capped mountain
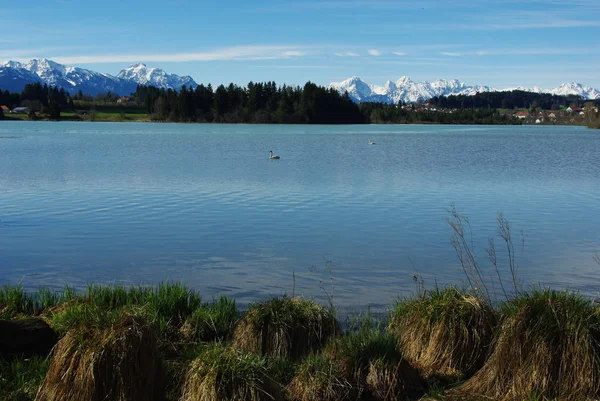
574,88
155,77
15,75
408,91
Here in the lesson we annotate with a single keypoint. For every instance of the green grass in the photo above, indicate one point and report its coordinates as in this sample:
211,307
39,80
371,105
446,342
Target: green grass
82,314
229,374
361,347
20,378
438,304
213,321
285,327
548,344
285,310
552,308
166,305
168,300
16,302
320,378
446,332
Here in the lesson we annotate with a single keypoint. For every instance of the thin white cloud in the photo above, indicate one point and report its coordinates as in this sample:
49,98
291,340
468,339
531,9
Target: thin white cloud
346,54
27,54
293,53
312,67
533,25
546,19
399,53
451,54
229,53
532,52
374,52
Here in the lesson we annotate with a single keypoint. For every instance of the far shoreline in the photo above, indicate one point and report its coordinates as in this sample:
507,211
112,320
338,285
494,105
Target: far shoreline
67,120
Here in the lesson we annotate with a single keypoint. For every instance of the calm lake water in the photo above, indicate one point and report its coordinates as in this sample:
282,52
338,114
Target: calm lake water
141,203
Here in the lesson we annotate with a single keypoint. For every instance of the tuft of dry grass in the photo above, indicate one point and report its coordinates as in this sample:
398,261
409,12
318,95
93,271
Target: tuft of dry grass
320,378
386,380
365,364
548,344
445,332
221,373
285,328
118,363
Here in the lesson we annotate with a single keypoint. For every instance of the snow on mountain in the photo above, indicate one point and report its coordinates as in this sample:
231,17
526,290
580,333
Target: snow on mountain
574,88
143,75
15,75
408,91
356,88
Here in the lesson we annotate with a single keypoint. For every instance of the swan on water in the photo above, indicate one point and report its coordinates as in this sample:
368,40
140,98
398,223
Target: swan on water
371,142
273,157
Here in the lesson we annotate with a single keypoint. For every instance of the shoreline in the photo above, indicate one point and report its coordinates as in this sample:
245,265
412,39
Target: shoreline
292,124
439,343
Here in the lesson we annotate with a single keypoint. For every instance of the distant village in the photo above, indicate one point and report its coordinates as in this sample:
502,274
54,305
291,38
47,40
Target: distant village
572,115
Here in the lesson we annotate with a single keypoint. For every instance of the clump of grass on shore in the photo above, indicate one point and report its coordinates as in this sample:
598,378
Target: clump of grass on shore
548,344
373,362
120,363
221,373
21,377
320,378
445,332
363,363
214,321
285,328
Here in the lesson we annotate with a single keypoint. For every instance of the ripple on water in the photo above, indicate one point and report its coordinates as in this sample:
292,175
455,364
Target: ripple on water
144,203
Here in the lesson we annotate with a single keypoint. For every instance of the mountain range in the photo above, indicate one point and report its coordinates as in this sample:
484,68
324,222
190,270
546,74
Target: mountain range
15,75
408,91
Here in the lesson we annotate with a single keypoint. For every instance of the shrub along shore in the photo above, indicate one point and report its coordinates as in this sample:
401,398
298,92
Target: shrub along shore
166,343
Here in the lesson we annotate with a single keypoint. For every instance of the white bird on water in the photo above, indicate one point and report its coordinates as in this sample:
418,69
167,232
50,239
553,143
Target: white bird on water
371,142
273,157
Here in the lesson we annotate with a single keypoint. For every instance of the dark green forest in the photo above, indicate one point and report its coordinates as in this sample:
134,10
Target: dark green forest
379,113
257,103
508,100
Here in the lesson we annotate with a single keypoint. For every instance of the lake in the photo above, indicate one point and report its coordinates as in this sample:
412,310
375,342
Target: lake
138,203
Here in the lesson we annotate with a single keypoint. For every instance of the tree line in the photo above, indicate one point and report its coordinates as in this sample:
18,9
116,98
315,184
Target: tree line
379,113
39,98
508,100
262,102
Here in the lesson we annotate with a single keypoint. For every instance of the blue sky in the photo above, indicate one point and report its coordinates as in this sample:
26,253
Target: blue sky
497,43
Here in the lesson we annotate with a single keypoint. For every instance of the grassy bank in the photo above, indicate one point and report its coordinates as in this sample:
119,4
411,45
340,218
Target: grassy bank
168,343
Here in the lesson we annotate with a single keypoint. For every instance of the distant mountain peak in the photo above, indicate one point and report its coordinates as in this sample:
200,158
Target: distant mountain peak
409,91
15,75
143,75
11,64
